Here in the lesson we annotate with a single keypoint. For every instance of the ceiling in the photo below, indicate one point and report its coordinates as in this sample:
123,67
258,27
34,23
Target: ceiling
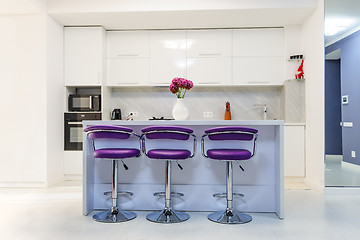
341,14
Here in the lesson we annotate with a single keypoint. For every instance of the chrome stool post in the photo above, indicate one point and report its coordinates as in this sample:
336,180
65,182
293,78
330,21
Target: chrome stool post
114,214
168,215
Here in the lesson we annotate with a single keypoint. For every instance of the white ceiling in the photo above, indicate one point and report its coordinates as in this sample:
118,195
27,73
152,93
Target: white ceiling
341,12
165,14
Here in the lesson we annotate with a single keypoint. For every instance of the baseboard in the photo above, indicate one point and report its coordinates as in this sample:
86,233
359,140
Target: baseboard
55,181
73,177
22,184
294,179
315,186
334,158
342,191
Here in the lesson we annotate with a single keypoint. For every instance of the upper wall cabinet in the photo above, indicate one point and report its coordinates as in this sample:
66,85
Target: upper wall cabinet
84,55
128,58
258,56
209,43
209,56
167,56
127,44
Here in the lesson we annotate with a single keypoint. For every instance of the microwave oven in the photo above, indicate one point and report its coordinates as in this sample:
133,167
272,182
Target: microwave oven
84,103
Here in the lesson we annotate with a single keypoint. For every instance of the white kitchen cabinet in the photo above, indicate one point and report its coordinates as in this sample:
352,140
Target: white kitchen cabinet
258,42
209,43
258,70
127,44
84,55
128,58
209,71
294,151
258,56
167,56
128,72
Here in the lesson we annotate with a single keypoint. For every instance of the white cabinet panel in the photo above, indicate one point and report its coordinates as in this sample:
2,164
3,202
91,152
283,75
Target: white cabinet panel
127,72
83,55
127,44
205,71
209,43
294,151
258,70
167,56
258,42
73,162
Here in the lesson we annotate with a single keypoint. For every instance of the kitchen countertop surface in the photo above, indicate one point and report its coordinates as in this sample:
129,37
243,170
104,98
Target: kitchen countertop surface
187,122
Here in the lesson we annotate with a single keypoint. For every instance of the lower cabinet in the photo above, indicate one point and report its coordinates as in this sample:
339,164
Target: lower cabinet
258,71
73,165
294,151
209,71
128,72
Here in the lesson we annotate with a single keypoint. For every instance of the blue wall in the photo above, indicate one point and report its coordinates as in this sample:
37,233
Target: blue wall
333,138
350,85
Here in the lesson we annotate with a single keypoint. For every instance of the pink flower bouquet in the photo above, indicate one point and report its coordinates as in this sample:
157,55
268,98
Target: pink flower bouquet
179,86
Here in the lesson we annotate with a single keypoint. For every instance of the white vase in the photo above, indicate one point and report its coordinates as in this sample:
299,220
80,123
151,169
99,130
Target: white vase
180,111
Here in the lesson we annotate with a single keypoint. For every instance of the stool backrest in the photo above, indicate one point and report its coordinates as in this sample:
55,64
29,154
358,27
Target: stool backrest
167,132
231,133
104,131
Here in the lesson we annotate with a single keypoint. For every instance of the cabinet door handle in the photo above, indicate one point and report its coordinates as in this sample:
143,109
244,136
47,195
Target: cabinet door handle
258,82
128,55
209,83
209,54
127,83
74,123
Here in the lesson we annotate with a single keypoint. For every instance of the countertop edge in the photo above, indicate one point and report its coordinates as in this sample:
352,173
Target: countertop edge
187,122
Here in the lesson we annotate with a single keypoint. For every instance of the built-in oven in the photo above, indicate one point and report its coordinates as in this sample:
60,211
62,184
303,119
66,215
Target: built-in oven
73,129
84,103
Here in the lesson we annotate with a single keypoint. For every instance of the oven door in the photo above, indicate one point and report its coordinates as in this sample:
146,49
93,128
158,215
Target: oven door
73,135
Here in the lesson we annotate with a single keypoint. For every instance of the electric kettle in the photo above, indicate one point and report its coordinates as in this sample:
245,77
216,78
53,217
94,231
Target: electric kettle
116,114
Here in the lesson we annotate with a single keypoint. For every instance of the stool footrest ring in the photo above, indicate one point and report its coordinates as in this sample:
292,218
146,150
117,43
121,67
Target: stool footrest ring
109,193
173,194
223,195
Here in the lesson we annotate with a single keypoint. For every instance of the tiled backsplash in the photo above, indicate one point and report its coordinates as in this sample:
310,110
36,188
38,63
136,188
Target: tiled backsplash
158,101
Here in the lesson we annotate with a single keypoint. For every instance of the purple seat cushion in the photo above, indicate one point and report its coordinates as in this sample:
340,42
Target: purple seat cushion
178,154
246,135
116,153
103,133
162,134
229,154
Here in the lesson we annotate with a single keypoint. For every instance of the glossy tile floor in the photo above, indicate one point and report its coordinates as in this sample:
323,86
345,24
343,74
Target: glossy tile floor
55,213
339,173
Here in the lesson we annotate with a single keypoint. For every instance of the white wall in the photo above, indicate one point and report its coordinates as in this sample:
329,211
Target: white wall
55,101
313,45
23,99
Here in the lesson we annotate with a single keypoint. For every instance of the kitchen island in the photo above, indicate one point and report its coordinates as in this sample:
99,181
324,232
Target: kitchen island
262,182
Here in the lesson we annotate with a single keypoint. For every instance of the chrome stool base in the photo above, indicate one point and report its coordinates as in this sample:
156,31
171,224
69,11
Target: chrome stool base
110,217
229,217
167,216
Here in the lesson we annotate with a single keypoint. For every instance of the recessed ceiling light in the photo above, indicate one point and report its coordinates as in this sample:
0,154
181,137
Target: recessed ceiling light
334,26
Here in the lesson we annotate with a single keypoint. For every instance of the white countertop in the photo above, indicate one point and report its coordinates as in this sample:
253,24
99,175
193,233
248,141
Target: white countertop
187,122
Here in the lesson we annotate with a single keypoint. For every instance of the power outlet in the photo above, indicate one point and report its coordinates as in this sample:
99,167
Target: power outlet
134,114
208,114
353,154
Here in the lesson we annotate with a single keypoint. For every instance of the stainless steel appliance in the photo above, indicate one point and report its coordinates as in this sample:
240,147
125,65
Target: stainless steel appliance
73,129
84,103
116,114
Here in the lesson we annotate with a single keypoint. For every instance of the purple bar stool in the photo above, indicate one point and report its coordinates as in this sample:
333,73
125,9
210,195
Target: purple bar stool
229,216
114,214
168,215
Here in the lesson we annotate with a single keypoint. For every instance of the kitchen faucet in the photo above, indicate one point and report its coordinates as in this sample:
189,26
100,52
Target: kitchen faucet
264,110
